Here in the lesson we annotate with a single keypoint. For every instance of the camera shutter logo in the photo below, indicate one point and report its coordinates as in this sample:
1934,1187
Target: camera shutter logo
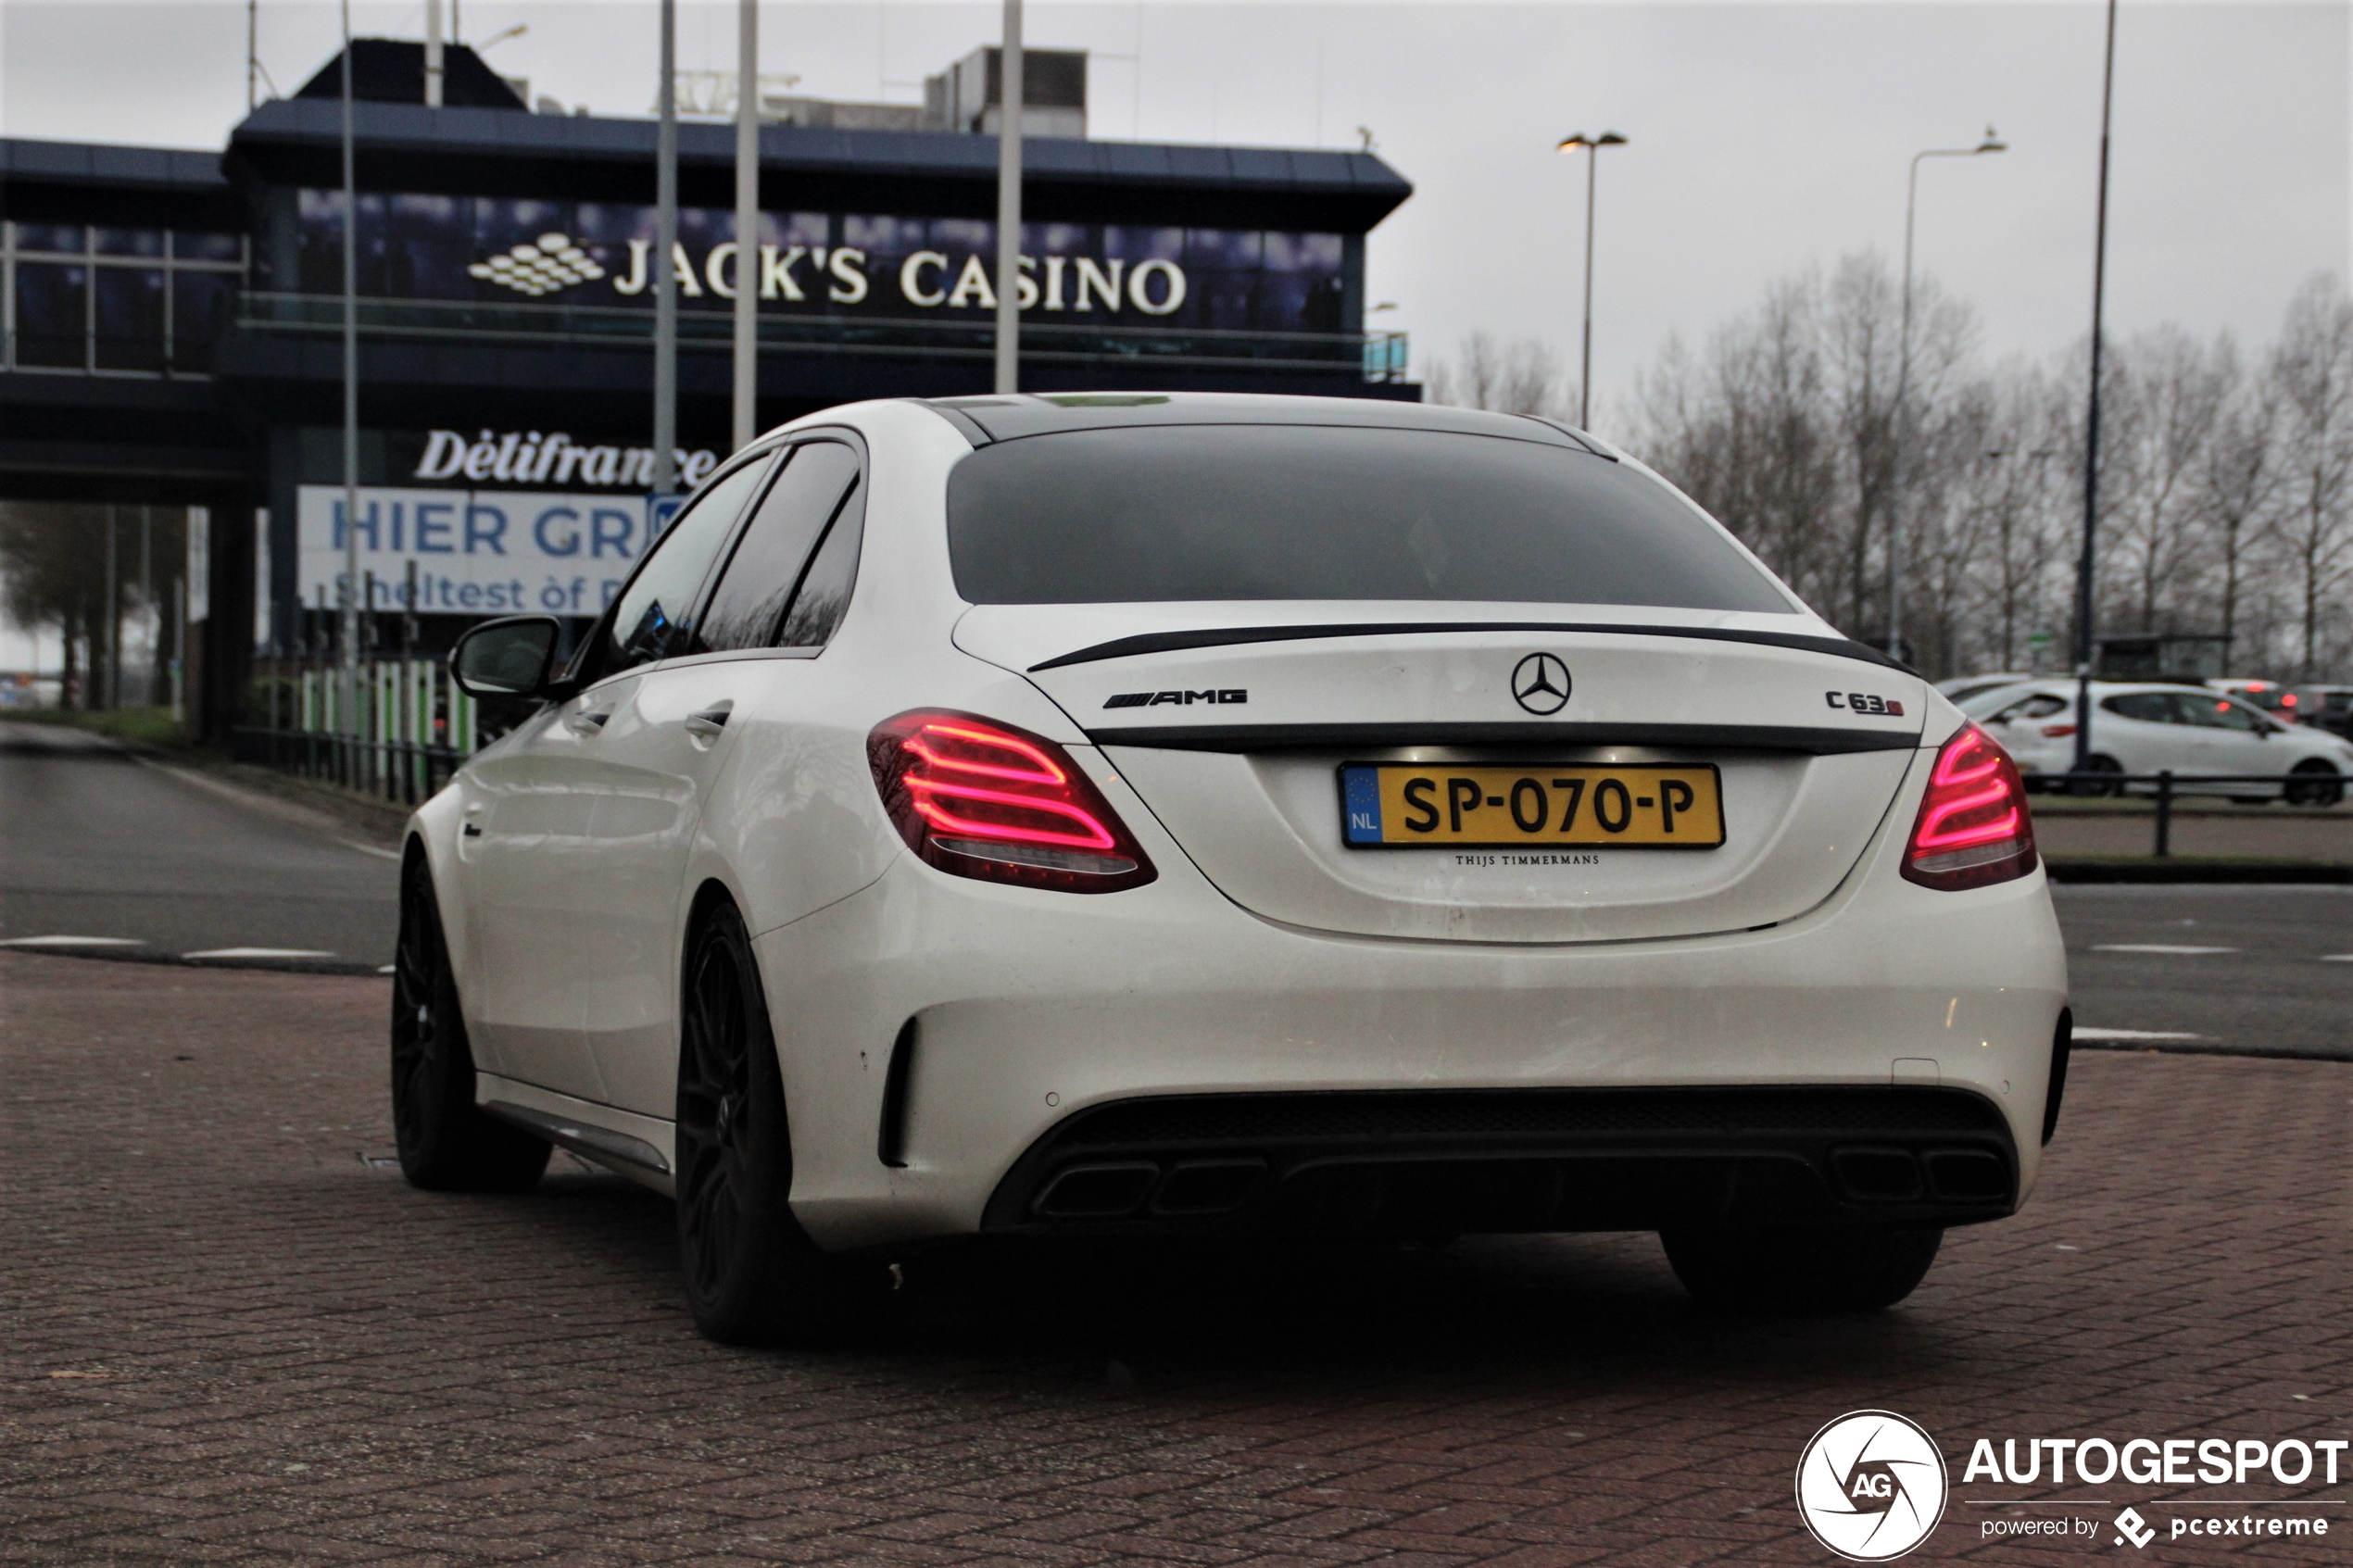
1872,1485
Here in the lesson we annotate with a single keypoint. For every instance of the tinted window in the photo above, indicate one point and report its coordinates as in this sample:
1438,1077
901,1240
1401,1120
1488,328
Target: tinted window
2041,706
2150,708
1312,512
824,590
650,621
749,606
2226,714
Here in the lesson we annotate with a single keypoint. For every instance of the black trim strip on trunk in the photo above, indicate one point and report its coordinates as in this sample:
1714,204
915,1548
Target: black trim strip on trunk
1707,737
1171,642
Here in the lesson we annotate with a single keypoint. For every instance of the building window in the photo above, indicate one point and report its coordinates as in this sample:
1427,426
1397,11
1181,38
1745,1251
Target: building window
109,301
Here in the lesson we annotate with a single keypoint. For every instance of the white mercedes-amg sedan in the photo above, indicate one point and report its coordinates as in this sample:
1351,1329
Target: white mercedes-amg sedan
1133,815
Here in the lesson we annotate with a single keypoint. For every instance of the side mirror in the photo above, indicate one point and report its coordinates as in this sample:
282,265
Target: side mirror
506,658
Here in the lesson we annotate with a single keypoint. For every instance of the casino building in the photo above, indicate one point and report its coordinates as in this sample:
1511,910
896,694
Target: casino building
173,319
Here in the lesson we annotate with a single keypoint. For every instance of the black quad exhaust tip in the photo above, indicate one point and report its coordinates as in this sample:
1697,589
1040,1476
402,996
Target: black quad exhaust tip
1209,1186
1878,1175
1097,1192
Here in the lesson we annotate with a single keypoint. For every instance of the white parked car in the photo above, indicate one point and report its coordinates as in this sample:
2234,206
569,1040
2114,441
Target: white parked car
1134,815
2143,727
1960,688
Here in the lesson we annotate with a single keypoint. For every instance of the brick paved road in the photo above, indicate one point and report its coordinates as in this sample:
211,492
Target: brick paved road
225,1339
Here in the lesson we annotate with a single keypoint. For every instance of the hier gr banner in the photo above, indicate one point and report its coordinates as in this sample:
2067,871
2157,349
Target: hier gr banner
475,552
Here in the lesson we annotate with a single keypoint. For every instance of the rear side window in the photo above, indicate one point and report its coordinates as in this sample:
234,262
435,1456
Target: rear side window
2151,708
764,577
652,619
1319,512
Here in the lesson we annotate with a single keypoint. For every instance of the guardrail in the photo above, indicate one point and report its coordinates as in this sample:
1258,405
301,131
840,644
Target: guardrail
2297,789
409,730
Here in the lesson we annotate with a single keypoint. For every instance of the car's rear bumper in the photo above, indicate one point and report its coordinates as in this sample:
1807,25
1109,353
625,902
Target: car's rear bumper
1029,1009
1414,1162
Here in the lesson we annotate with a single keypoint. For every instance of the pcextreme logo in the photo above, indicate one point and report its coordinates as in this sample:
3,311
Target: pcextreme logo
1872,1485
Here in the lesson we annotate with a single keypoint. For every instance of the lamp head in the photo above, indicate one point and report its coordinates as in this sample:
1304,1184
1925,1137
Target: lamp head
1580,142
1992,143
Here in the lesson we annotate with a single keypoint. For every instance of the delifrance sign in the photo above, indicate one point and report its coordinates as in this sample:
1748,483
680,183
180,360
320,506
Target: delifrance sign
474,552
520,456
483,249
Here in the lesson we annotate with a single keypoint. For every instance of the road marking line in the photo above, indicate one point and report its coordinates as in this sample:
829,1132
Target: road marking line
72,941
2123,1034
261,953
2169,949
388,969
2337,957
370,849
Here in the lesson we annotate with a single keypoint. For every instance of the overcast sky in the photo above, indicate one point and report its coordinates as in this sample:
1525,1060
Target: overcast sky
1764,137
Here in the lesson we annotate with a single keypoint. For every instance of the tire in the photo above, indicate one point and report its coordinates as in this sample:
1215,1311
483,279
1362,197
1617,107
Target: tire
2313,782
752,1275
446,1142
1847,1269
2090,782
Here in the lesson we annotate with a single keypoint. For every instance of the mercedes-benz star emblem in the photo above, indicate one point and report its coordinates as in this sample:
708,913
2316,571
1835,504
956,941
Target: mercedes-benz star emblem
1539,684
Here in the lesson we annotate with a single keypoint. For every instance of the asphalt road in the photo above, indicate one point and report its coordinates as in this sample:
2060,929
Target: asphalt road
95,842
2230,968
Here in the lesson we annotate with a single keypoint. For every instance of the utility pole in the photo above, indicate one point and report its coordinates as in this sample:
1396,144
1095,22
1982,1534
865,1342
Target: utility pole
665,246
147,597
433,54
253,56
2086,567
350,703
110,687
748,268
1009,118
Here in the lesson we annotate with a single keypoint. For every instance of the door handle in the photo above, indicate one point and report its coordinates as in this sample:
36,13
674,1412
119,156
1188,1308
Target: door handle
709,721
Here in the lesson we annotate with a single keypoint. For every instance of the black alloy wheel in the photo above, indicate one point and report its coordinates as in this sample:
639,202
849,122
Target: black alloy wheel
2096,777
1824,1269
446,1142
2313,782
752,1275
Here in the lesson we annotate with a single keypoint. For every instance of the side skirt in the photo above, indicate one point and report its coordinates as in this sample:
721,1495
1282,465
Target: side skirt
639,1148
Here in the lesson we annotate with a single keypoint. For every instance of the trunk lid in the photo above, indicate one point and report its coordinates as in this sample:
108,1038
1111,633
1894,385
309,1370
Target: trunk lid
1234,729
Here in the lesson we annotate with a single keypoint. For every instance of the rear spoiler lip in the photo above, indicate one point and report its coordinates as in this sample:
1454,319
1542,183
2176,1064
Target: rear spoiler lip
1172,642
1784,738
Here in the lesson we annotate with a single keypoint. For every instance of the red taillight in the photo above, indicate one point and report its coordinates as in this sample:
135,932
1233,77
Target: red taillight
1973,828
982,799
2058,731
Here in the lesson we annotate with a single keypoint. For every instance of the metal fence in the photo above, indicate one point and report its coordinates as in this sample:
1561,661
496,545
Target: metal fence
2166,788
410,728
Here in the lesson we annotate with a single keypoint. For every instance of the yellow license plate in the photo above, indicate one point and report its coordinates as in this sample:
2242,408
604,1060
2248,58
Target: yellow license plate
1387,805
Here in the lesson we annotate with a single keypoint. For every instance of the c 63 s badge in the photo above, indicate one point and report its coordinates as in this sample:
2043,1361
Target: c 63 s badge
1864,702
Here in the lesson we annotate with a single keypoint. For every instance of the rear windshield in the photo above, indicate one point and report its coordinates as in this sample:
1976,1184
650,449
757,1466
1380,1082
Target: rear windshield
1320,513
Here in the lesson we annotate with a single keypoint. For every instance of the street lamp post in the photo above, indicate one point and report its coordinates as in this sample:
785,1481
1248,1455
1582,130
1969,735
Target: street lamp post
1592,147
1992,144
2087,565
1010,100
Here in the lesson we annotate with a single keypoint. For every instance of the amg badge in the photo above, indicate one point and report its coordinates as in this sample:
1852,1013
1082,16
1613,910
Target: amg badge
1177,700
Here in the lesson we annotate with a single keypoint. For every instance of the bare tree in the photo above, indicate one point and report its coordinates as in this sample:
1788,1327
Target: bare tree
1522,378
2237,482
2158,421
2312,372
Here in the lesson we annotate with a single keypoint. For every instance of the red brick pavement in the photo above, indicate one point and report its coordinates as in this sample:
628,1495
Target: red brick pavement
224,1338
